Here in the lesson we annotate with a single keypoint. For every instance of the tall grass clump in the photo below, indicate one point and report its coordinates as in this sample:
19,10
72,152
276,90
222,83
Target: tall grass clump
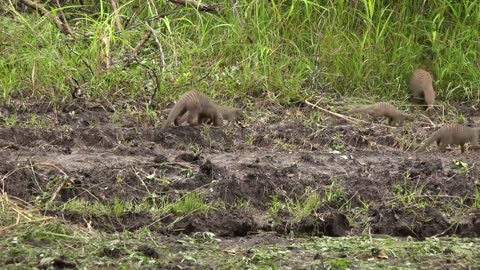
282,50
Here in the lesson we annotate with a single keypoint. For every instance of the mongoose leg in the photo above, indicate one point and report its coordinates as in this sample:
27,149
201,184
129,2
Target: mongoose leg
462,147
193,118
202,119
178,121
442,147
182,119
391,122
217,120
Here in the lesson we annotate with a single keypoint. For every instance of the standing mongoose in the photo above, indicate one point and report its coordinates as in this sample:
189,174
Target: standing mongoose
196,105
384,109
421,86
452,134
229,114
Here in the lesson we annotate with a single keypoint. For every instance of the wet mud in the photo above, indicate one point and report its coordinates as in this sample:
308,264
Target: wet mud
80,152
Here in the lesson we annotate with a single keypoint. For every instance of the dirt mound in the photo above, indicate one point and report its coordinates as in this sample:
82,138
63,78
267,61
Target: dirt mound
234,223
96,153
419,223
318,224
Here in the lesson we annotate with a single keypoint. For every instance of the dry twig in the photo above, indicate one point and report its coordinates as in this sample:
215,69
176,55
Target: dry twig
134,52
199,6
34,5
162,56
118,22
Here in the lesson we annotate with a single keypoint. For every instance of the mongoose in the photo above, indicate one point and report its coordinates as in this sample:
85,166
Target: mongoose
384,109
421,86
196,105
452,134
229,114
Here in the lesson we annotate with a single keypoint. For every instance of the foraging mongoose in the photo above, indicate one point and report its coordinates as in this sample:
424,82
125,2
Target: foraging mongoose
452,134
384,109
196,105
229,114
421,86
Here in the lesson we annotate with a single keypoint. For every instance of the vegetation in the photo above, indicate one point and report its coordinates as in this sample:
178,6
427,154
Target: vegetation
283,50
36,241
238,51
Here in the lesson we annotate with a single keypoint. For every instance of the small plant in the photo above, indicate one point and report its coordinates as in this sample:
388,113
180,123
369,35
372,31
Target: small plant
409,195
192,202
333,192
275,206
11,120
35,121
308,203
461,119
338,143
476,200
462,166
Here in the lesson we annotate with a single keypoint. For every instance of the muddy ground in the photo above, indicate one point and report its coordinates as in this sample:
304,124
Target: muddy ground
98,153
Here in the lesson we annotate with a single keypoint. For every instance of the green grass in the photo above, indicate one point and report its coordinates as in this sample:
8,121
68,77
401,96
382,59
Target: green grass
190,203
27,239
282,50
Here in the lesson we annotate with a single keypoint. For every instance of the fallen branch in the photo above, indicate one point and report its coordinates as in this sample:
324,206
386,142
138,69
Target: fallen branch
162,56
199,6
62,16
134,52
118,22
34,5
54,195
347,118
52,166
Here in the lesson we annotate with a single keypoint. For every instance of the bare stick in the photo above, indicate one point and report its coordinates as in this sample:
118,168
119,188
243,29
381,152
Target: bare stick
52,166
348,118
34,5
62,16
118,22
199,6
162,56
54,195
431,122
81,58
233,3
134,52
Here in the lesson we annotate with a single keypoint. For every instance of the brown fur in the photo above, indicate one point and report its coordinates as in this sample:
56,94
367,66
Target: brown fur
195,106
229,114
383,109
421,85
453,134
